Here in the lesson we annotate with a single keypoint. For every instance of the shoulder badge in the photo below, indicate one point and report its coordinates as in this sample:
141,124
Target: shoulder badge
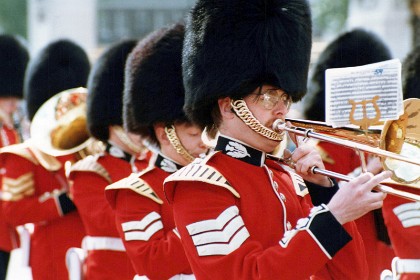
90,164
298,182
16,189
199,171
135,183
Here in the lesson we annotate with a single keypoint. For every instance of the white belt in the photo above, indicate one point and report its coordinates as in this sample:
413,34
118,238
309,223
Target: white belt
175,277
400,266
102,243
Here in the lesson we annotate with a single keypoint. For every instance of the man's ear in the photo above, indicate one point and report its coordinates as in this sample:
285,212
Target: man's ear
160,134
225,107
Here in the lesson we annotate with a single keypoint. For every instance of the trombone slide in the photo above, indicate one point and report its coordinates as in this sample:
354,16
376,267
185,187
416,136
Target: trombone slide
382,188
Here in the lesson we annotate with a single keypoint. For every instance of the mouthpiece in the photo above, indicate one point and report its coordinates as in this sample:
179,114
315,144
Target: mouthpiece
279,125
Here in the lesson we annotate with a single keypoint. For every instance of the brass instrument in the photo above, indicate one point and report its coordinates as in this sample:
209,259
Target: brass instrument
397,144
59,127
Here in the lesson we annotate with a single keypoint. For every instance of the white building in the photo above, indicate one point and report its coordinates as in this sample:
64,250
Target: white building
389,19
96,23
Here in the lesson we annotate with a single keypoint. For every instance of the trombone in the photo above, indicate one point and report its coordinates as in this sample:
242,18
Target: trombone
366,141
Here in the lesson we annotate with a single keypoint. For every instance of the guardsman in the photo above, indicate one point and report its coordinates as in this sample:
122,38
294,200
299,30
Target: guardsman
402,216
123,154
34,184
153,100
354,48
240,214
13,60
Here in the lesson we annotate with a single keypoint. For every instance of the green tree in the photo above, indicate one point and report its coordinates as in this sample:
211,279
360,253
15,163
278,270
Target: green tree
329,16
13,17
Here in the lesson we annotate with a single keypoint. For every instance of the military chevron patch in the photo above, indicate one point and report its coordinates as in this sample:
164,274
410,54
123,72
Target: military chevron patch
219,236
16,189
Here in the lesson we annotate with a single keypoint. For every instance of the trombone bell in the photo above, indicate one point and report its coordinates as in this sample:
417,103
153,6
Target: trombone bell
402,136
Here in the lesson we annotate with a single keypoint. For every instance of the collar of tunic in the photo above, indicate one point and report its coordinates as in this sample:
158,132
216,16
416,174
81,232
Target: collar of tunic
239,150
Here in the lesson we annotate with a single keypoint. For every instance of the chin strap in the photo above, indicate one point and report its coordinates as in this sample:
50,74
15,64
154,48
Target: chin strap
123,137
173,138
243,112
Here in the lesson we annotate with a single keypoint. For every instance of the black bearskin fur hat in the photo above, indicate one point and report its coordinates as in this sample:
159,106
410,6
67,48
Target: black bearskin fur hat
105,89
411,74
14,58
59,66
233,47
354,48
153,90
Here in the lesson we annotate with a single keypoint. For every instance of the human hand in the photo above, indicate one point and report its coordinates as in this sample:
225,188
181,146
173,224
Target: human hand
356,198
304,158
374,165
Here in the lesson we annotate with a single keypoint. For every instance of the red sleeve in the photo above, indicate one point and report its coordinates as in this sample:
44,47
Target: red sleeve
31,208
87,192
197,202
154,249
402,220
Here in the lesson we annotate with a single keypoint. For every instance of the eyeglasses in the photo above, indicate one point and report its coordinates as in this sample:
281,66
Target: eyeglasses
270,98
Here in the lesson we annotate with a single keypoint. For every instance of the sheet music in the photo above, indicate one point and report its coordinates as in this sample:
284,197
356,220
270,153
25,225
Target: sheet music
360,84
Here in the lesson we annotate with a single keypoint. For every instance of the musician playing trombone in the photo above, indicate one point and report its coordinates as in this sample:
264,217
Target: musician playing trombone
240,214
402,216
354,48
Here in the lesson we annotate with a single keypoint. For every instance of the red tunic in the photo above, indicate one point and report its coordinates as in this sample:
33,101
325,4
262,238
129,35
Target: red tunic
8,235
146,225
89,178
379,254
34,180
402,218
243,219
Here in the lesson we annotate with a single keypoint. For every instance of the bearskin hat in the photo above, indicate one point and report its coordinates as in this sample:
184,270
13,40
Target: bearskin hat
411,74
233,47
14,58
105,87
354,48
60,65
154,90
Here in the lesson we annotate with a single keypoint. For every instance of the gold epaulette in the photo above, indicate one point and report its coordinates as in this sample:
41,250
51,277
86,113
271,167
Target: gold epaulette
34,155
324,155
90,164
48,162
16,189
21,150
199,171
136,184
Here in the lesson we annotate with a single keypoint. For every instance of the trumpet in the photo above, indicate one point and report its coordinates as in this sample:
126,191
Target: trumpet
374,142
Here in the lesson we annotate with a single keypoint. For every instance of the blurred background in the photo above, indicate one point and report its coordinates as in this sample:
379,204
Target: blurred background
96,23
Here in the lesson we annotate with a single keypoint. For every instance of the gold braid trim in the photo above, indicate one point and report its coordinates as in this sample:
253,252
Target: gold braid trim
173,138
242,111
